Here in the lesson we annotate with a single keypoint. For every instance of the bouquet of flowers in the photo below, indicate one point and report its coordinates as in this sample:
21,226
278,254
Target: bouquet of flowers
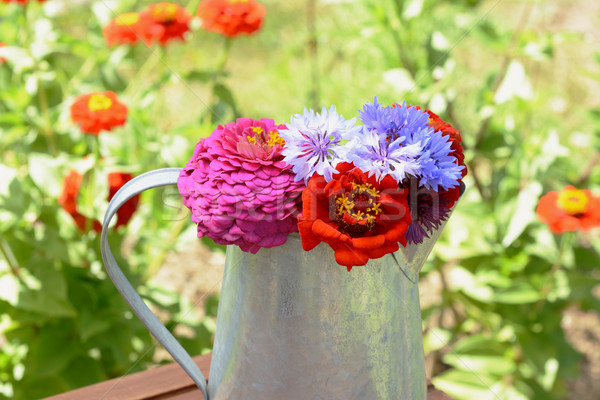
362,189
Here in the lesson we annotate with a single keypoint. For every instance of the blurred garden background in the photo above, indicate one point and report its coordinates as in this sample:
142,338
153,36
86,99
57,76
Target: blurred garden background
510,309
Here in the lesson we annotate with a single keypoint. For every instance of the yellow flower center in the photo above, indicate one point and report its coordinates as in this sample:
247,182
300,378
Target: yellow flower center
573,201
275,139
127,19
272,140
164,12
357,211
98,102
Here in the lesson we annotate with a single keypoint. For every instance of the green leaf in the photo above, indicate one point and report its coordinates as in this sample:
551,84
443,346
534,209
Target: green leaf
520,293
515,84
435,339
491,364
83,371
202,76
45,171
465,385
225,95
524,212
52,351
212,305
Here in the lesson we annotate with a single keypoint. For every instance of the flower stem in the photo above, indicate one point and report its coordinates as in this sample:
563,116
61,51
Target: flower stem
159,259
11,261
216,80
396,27
149,65
313,50
41,91
43,99
565,240
224,58
193,6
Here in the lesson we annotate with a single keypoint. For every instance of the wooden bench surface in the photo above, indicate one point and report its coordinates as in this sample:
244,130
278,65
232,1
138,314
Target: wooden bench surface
165,382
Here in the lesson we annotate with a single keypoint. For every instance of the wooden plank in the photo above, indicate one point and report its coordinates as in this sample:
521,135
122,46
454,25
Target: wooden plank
165,382
150,384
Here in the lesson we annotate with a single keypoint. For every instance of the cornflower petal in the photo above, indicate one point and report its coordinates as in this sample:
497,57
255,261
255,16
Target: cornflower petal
313,141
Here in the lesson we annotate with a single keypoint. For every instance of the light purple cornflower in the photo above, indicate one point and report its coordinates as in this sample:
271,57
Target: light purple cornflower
313,142
381,158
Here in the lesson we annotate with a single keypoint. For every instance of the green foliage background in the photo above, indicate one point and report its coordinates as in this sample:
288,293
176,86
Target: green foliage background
529,123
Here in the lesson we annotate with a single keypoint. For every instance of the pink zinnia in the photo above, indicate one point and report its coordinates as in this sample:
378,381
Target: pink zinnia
238,187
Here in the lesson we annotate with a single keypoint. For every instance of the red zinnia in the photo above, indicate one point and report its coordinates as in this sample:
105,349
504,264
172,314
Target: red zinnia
231,17
98,111
569,210
126,28
68,200
357,216
22,2
165,21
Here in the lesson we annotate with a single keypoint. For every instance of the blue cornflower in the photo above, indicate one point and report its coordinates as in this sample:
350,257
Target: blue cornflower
437,167
393,122
381,158
312,142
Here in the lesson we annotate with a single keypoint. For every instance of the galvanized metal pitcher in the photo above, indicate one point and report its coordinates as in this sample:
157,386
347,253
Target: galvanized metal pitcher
295,325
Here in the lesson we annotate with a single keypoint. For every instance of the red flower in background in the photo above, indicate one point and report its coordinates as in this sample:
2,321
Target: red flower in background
2,59
357,216
68,200
22,2
98,111
569,210
231,17
116,180
165,22
126,28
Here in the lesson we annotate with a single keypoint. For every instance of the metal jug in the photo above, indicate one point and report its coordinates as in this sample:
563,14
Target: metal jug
295,325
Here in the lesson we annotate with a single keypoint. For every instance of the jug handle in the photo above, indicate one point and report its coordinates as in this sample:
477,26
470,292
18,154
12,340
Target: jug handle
149,180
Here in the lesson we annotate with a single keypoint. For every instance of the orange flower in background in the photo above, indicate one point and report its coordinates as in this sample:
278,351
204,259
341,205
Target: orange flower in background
2,59
357,216
68,200
126,28
231,17
569,210
165,21
98,111
21,2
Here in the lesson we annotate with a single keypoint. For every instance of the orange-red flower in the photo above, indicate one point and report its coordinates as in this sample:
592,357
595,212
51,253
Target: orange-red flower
231,17
357,216
68,200
127,28
98,111
21,2
569,210
165,21
2,59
